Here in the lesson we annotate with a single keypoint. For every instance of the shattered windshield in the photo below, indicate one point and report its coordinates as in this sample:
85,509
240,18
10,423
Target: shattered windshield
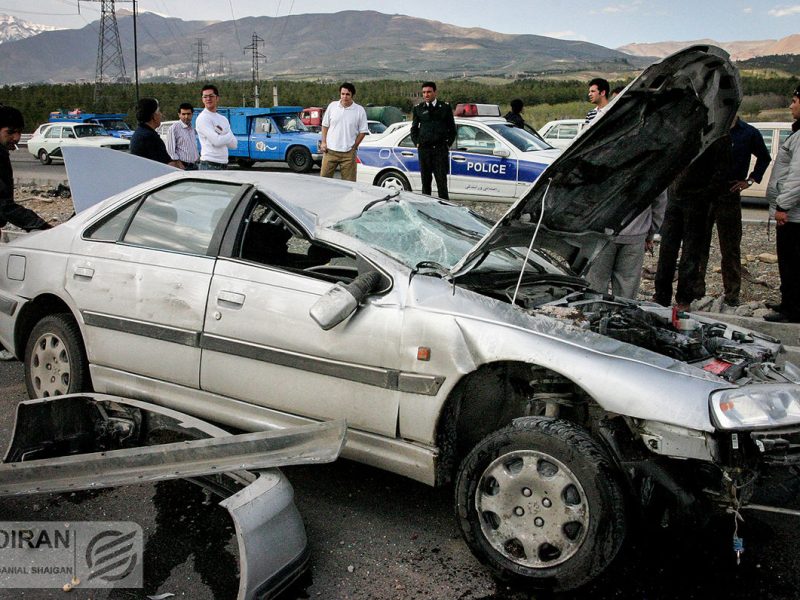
413,231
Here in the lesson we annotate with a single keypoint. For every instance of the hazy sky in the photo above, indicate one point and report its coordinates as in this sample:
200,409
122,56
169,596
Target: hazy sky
607,22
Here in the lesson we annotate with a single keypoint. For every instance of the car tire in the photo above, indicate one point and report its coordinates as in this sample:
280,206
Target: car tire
540,504
44,157
299,159
55,358
393,179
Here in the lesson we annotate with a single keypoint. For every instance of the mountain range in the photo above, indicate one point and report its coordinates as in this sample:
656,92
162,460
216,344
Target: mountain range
738,50
348,44
12,28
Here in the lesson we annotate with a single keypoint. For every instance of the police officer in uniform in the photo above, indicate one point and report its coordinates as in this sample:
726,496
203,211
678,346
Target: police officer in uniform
433,130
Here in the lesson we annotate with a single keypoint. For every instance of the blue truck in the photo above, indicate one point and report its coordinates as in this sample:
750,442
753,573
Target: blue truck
271,134
113,123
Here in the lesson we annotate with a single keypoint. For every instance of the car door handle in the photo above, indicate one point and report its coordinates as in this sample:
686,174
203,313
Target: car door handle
84,272
459,158
230,298
406,153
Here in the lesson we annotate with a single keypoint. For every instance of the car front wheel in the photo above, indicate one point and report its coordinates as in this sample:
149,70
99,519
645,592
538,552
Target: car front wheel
55,359
539,503
393,179
44,157
299,160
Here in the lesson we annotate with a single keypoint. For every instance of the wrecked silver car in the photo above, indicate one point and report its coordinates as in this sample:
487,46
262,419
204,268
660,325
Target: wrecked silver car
457,349
91,441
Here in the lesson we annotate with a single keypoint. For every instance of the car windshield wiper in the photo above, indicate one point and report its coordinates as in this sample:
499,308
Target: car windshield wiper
392,195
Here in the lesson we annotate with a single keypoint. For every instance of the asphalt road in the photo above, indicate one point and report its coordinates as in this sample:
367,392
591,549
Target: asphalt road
376,535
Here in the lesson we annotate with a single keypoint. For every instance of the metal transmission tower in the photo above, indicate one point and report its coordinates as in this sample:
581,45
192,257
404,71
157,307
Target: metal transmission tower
201,60
110,62
256,55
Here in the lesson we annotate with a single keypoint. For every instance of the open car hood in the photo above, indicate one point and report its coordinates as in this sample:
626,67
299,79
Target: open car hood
649,133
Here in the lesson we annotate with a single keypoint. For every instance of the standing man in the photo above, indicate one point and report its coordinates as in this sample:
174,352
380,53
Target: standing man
622,258
182,139
145,142
11,125
514,116
214,132
599,90
686,229
343,127
783,194
433,130
726,208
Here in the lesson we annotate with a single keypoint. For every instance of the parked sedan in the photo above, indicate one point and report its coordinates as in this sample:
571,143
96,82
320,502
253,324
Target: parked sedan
489,160
48,143
561,133
457,349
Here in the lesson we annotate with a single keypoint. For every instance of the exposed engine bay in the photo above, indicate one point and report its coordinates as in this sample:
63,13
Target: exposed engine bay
734,354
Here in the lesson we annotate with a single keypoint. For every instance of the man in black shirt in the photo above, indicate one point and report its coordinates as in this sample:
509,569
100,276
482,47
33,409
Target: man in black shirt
726,206
11,124
514,116
145,141
433,130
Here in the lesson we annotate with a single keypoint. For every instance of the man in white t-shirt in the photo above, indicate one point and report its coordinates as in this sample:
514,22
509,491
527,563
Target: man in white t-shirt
343,127
214,132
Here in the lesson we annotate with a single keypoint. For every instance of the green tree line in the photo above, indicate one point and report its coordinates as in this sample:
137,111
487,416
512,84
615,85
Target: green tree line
37,101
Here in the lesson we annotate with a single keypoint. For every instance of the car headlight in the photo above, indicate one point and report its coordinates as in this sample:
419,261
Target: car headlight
756,406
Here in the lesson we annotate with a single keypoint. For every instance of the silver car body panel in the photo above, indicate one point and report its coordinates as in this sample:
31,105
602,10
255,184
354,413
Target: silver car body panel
269,529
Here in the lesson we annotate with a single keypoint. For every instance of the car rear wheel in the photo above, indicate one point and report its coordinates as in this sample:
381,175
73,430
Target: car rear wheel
55,359
44,157
299,159
539,503
393,179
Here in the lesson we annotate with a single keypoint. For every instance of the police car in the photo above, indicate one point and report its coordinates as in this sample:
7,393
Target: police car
490,160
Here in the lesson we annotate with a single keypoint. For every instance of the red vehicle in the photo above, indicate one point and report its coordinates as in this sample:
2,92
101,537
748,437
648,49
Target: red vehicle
312,117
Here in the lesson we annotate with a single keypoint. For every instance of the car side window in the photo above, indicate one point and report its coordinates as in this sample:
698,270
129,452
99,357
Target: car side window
567,132
768,135
181,217
69,134
269,240
262,125
406,142
53,132
473,139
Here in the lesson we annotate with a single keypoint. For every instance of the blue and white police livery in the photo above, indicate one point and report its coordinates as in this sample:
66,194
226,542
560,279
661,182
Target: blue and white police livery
490,160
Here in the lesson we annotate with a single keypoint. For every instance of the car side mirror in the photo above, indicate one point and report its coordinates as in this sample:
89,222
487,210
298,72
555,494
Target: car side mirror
341,301
501,152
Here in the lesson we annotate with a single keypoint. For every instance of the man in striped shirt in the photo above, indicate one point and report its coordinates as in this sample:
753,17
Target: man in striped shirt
599,90
182,139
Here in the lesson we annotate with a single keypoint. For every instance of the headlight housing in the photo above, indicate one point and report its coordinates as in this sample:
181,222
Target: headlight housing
756,406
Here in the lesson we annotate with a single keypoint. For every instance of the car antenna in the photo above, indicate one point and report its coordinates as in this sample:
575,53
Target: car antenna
530,247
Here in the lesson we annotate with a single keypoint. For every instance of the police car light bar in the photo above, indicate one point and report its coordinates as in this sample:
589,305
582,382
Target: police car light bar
477,110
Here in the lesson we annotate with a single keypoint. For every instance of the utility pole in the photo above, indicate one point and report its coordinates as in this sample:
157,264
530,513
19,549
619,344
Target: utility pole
256,55
221,64
110,62
201,61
